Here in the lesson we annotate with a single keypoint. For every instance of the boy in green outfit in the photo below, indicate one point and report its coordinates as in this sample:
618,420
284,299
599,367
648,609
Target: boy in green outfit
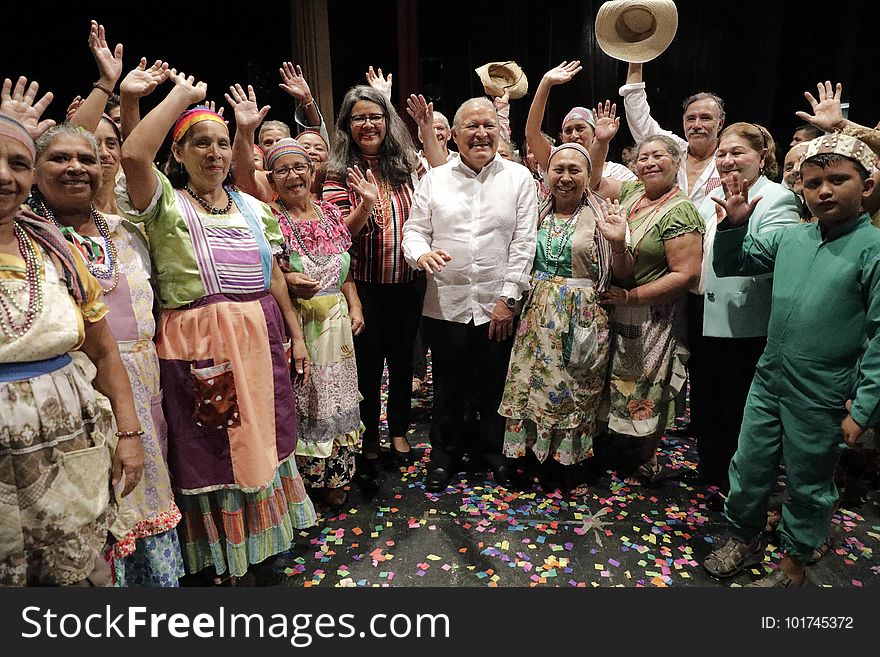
817,385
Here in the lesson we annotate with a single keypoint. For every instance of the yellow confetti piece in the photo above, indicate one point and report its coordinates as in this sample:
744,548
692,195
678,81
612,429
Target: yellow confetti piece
433,557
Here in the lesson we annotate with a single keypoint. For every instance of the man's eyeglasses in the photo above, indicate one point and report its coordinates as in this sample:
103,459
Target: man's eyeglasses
283,172
361,119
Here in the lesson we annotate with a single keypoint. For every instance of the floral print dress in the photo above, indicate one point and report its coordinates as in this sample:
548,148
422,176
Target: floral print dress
330,430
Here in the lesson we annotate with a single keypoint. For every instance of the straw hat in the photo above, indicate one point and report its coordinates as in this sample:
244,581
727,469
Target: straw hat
636,30
498,76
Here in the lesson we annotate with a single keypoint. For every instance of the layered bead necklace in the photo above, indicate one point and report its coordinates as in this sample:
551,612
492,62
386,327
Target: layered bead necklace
34,278
103,270
381,214
323,223
563,231
210,209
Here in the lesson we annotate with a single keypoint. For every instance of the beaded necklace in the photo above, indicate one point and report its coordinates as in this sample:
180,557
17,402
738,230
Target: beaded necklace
34,277
656,205
207,206
381,214
320,261
104,271
564,231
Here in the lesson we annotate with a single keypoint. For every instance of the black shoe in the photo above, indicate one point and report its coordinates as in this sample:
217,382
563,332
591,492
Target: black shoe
503,475
437,480
715,502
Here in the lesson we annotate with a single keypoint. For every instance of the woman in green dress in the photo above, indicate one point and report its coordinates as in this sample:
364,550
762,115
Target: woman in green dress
560,354
647,360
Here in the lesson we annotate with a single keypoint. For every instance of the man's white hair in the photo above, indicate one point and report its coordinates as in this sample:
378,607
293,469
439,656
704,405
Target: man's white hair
481,101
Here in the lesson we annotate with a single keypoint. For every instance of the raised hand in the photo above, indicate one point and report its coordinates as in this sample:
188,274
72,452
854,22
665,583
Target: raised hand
737,205
421,111
827,114
211,105
379,82
367,186
186,86
563,73
607,121
19,104
141,81
248,115
71,109
109,61
294,84
612,224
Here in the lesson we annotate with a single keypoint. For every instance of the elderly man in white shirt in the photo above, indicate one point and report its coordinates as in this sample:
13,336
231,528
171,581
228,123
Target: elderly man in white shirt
472,228
703,119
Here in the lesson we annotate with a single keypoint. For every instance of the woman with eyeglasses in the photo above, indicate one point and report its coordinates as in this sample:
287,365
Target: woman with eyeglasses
372,169
317,241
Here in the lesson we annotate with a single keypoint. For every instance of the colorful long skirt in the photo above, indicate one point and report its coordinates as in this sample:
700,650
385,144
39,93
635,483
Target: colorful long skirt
147,517
557,372
56,504
328,404
647,369
231,415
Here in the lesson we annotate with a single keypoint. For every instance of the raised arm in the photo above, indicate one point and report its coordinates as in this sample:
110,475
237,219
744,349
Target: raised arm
422,113
502,109
558,75
140,82
828,116
638,113
294,84
21,104
109,62
139,150
248,116
607,125
367,187
379,82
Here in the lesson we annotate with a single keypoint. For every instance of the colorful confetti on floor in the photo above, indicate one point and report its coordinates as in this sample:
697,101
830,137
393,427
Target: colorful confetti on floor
478,534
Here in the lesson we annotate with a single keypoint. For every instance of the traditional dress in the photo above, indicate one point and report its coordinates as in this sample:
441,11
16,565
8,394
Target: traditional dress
147,550
823,349
225,374
56,432
329,427
559,360
647,362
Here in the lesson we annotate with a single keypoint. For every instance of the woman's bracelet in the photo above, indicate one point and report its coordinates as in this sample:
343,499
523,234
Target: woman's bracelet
311,102
100,86
122,435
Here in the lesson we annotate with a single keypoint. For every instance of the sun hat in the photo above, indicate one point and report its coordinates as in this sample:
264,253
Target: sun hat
498,76
636,30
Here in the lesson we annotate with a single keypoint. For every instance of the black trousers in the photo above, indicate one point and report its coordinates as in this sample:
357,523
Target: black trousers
391,321
720,380
420,355
467,367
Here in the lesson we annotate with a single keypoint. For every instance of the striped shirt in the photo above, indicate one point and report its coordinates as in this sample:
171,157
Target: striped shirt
376,255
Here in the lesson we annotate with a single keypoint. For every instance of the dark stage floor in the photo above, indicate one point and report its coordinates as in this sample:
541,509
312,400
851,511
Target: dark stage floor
478,534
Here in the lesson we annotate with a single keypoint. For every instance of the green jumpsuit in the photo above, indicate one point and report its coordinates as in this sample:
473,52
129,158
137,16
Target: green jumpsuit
823,348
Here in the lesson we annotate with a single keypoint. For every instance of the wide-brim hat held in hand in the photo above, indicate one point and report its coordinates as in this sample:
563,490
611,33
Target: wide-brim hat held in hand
500,76
636,30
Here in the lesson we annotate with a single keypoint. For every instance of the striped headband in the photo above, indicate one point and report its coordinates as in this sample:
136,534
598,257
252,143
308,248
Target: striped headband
571,145
579,113
282,147
196,115
11,128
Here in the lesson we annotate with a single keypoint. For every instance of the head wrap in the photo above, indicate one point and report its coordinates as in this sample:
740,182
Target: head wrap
315,132
571,145
840,144
581,113
11,128
282,147
190,117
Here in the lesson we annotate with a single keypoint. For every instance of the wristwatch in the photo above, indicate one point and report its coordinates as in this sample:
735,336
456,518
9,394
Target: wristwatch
510,302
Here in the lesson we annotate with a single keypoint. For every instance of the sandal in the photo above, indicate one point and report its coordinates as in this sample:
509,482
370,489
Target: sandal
646,475
733,557
775,579
826,547
573,478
